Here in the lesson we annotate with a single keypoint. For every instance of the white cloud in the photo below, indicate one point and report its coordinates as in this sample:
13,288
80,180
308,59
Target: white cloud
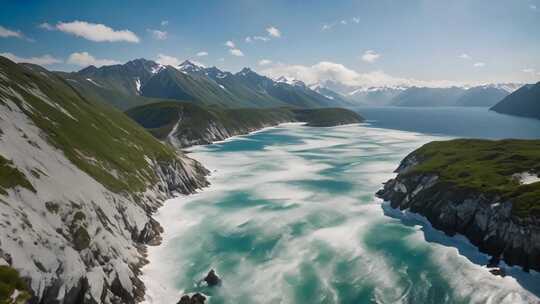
528,70
465,56
85,59
329,26
202,53
259,38
264,62
158,35
330,71
236,52
6,33
533,7
164,22
230,44
370,56
41,60
96,32
479,64
168,60
46,26
274,32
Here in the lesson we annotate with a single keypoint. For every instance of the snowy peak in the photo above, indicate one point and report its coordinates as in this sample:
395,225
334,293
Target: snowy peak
189,67
290,81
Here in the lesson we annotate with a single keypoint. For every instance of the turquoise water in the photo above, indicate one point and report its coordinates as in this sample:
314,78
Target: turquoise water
291,218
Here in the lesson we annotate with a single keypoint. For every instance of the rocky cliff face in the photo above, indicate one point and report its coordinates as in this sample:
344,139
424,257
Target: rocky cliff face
76,214
485,219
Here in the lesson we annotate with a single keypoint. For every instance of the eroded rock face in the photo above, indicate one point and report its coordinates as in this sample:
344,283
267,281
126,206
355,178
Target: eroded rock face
485,219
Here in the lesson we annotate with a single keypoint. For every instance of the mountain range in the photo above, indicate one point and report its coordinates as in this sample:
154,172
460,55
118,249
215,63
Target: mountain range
140,81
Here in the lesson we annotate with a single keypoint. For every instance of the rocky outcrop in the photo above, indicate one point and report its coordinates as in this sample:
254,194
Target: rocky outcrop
212,279
484,218
197,298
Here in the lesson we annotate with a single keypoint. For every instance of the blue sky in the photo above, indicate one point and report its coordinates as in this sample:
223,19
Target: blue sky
356,42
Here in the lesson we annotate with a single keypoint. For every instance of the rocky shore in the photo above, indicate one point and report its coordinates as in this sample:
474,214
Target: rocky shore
487,218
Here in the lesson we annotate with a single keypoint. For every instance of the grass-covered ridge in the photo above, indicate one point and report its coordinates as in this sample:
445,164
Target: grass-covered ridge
195,121
488,167
97,138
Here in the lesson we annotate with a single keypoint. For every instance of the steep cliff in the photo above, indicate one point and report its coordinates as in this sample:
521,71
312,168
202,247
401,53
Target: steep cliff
79,182
488,191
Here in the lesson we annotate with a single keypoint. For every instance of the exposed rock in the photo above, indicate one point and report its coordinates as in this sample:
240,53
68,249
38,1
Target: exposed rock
194,299
498,272
484,218
212,279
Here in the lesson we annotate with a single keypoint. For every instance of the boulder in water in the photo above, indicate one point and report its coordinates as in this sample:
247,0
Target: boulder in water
212,279
194,299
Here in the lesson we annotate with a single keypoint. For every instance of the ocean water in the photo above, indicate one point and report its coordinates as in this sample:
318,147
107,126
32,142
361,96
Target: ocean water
472,122
291,217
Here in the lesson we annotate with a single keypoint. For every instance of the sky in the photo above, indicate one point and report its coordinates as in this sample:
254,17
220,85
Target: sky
357,43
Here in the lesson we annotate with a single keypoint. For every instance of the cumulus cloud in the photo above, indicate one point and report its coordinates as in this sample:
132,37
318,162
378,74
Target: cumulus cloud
158,35
264,62
355,20
41,60
164,22
370,56
465,56
233,49
85,59
6,33
168,60
202,53
236,52
274,32
96,32
479,64
331,71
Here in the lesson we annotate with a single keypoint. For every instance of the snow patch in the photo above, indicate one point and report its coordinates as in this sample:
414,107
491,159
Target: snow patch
526,178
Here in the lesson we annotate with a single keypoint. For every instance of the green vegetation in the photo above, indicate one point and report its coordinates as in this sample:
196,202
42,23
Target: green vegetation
160,118
9,282
97,138
11,177
487,167
327,117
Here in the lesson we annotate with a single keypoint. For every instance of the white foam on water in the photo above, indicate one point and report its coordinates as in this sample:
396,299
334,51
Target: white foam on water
338,220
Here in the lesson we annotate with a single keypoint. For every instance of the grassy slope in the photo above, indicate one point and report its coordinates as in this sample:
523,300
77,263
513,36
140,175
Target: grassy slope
160,118
487,166
9,282
100,132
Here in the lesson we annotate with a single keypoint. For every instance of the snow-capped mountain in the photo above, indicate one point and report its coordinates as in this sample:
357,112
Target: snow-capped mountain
190,67
482,95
